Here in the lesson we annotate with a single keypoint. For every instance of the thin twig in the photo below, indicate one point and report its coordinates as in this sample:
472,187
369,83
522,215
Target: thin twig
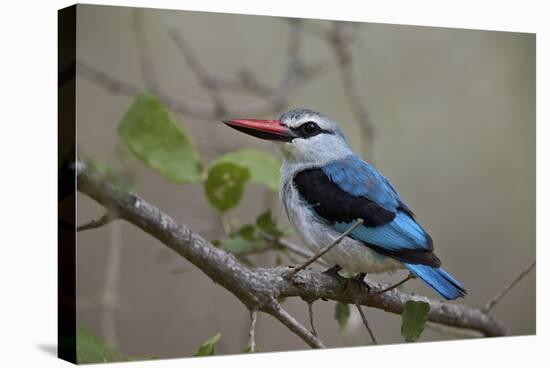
94,224
184,106
490,304
323,33
410,276
246,82
311,28
342,38
196,67
366,323
110,299
327,248
295,73
296,249
285,318
144,53
310,310
252,331
284,244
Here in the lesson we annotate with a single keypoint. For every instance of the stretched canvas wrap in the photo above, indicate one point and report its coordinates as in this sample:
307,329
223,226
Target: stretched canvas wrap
174,241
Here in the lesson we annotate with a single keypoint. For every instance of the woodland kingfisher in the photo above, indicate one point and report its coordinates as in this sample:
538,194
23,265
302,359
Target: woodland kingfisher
325,188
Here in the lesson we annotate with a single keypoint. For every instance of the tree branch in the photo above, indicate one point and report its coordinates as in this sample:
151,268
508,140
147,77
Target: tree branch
144,53
293,248
410,276
259,288
200,73
94,224
293,325
342,38
252,331
490,304
366,323
184,106
310,312
273,99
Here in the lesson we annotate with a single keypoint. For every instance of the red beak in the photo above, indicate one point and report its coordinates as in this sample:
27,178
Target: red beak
272,130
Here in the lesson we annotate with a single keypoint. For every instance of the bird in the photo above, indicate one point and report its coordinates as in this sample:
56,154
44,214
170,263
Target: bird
325,188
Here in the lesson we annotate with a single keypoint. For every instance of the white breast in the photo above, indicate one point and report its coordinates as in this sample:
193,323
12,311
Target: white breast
350,254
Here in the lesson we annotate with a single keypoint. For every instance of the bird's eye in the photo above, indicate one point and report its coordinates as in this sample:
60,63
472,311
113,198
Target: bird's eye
310,128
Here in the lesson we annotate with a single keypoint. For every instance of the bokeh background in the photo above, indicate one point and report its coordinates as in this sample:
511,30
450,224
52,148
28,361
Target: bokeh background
453,113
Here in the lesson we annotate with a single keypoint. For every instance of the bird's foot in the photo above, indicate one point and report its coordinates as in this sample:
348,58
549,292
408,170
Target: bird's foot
357,282
333,271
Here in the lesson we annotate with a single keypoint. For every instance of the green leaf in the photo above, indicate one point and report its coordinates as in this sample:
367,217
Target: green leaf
122,182
224,185
91,349
264,168
244,240
413,320
267,223
207,347
342,313
158,139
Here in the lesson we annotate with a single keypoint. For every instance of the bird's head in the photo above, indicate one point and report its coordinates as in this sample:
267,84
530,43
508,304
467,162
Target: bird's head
302,135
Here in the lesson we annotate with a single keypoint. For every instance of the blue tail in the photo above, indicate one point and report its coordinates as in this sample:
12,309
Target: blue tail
438,279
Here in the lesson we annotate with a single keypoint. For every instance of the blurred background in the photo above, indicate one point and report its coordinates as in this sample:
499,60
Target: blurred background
448,115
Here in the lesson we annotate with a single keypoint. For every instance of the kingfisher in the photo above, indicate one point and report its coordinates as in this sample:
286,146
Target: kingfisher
325,188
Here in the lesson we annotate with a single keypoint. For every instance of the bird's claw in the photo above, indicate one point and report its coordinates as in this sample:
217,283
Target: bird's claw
357,282
333,271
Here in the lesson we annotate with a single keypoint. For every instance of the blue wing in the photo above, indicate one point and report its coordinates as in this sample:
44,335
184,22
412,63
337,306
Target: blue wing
359,179
345,190
401,233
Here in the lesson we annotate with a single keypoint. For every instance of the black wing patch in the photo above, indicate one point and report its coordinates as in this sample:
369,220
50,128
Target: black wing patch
335,205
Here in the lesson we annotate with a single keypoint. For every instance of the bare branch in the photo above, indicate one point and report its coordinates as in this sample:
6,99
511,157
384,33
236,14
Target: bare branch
294,74
310,311
275,244
110,299
252,331
293,325
144,53
94,224
327,248
410,276
321,32
195,108
202,76
293,248
342,39
247,82
490,304
259,288
366,323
